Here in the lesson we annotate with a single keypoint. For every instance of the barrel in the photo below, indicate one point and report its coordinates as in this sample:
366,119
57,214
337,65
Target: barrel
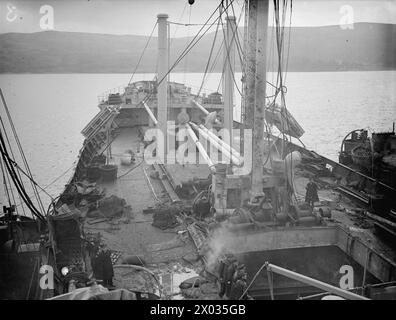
109,172
324,212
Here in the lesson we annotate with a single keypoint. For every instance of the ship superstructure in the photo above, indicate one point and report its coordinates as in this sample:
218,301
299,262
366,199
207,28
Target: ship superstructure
168,184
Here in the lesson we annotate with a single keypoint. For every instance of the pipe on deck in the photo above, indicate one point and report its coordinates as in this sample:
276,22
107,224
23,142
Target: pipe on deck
235,160
315,283
200,147
150,113
206,112
224,144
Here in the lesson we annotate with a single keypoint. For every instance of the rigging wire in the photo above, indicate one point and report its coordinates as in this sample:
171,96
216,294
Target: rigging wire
37,196
227,60
9,165
280,35
240,49
289,40
178,23
7,193
192,43
209,59
11,191
188,35
17,182
9,145
31,179
50,184
186,24
142,54
197,37
12,154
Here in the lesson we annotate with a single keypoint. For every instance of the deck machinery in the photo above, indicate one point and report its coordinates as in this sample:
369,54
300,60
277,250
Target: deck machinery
261,223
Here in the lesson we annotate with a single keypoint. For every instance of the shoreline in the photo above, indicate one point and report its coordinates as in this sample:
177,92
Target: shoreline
186,72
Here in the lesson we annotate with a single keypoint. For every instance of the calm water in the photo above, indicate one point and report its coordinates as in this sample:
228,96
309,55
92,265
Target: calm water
50,110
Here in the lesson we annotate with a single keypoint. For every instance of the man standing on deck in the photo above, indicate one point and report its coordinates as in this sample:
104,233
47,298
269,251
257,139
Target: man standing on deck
239,284
311,195
102,267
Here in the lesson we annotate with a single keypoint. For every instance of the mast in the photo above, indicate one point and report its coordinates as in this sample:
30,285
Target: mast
228,83
251,65
260,96
162,94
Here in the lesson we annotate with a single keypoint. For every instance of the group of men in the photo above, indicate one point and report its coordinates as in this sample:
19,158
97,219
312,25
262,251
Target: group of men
233,277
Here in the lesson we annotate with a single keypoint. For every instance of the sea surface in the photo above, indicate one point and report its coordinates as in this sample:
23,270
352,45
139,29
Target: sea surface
49,111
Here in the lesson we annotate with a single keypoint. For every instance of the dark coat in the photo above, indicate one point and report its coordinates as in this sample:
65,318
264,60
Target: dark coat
312,192
102,266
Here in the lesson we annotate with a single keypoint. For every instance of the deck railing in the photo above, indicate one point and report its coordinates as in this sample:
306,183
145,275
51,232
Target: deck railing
105,96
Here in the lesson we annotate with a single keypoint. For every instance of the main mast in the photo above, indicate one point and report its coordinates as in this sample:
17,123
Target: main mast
229,69
259,90
162,77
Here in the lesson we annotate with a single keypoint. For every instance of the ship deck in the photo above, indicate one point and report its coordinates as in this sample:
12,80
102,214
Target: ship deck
163,248
138,236
343,215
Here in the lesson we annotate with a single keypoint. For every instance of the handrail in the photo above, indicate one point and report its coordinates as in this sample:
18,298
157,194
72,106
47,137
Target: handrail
313,282
307,280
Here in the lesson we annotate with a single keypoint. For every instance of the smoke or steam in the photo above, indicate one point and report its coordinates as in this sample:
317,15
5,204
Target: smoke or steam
218,246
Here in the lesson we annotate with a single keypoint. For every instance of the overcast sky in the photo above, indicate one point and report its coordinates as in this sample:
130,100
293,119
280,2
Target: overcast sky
138,17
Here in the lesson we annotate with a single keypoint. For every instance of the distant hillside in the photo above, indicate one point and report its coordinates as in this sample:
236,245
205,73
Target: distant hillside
369,46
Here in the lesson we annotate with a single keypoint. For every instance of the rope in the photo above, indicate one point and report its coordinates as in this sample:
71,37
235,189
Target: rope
130,170
227,60
188,35
9,165
192,43
12,154
241,53
210,56
51,183
178,24
215,61
5,184
251,282
197,38
280,87
186,24
141,56
31,179
21,150
16,181
7,176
